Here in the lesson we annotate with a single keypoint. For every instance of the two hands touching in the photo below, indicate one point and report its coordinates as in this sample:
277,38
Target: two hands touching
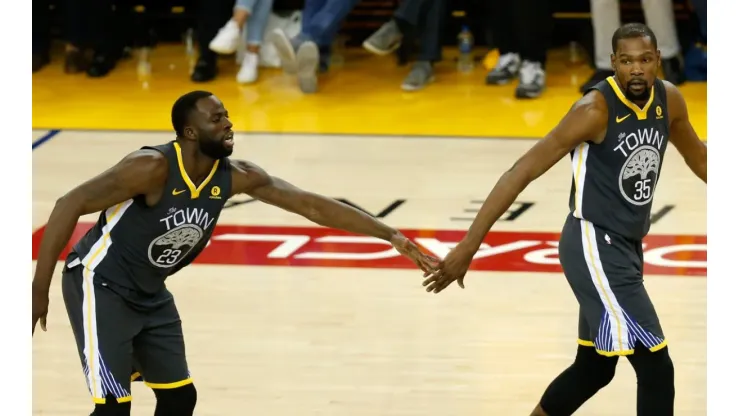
438,273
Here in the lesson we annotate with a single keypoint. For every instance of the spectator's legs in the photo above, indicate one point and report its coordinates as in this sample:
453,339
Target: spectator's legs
659,17
700,7
430,20
605,19
77,34
210,17
507,67
260,13
40,37
532,30
105,33
300,55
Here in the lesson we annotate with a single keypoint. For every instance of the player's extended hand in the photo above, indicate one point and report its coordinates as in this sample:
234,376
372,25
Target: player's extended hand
39,308
454,267
404,246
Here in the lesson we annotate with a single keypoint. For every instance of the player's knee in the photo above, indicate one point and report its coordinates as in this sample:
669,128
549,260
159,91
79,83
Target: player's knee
595,368
178,401
653,368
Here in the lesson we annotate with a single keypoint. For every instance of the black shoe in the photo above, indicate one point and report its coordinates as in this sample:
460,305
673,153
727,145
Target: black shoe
205,70
673,71
39,60
101,65
598,76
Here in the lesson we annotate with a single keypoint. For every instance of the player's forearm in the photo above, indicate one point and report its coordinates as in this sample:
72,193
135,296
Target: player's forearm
334,214
62,222
698,164
503,194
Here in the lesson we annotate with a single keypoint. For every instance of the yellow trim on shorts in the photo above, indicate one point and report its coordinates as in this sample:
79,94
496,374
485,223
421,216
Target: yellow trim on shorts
618,353
135,375
585,343
174,385
659,346
126,399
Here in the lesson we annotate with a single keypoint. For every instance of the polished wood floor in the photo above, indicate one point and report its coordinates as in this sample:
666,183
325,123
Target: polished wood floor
301,333
361,97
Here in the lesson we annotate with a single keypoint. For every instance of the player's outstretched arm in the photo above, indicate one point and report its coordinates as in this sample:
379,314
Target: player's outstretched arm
138,173
586,120
250,179
683,136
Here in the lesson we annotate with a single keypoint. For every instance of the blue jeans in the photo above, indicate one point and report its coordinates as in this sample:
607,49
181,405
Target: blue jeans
259,13
700,7
323,18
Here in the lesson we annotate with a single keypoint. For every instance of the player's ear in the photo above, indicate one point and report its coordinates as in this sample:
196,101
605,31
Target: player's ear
190,133
613,59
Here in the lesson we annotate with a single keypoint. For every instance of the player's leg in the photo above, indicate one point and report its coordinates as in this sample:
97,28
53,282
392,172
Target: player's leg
651,361
595,364
589,373
103,327
630,325
159,351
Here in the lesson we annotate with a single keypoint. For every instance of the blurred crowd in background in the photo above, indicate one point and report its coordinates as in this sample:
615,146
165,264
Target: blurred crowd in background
510,38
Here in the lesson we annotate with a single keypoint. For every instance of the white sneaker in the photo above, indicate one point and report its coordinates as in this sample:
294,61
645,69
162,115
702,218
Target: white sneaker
248,72
227,39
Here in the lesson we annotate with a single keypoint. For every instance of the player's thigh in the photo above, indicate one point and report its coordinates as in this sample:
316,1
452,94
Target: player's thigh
104,328
159,350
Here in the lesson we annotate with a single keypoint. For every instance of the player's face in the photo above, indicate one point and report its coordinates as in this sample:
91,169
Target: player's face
213,128
636,64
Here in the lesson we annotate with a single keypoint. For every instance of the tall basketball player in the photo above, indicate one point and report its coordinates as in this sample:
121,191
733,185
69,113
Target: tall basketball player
616,134
159,207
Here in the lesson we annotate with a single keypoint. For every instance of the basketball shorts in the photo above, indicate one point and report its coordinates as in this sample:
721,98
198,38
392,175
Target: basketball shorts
604,271
119,343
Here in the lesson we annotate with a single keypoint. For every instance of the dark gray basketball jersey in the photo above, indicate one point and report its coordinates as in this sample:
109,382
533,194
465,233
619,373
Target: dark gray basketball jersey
614,182
137,247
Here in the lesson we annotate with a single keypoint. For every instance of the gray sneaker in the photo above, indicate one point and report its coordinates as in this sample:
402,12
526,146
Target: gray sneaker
285,50
421,74
506,69
531,80
307,66
385,40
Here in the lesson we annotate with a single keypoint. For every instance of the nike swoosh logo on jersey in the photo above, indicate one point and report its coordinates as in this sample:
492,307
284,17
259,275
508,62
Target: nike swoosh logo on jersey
619,120
176,192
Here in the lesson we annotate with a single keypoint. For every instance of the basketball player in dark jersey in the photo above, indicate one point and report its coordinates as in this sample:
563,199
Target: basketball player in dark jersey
616,135
159,207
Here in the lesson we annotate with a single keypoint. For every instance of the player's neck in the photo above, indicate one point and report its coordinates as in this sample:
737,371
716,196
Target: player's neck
640,103
196,164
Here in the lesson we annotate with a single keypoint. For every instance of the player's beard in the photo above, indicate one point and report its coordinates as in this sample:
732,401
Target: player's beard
214,149
643,96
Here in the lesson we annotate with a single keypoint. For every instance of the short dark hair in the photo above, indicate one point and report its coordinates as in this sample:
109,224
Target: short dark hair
182,108
633,30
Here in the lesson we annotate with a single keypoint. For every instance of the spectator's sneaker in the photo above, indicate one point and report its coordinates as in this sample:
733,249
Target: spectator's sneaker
506,69
531,80
285,49
227,39
598,76
421,74
307,65
385,40
248,71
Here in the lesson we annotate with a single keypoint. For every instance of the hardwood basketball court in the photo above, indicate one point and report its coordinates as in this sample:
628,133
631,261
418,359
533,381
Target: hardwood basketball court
286,318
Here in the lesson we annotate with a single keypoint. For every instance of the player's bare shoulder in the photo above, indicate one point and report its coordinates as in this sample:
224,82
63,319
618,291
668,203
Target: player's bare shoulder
586,120
676,104
593,110
246,176
149,162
